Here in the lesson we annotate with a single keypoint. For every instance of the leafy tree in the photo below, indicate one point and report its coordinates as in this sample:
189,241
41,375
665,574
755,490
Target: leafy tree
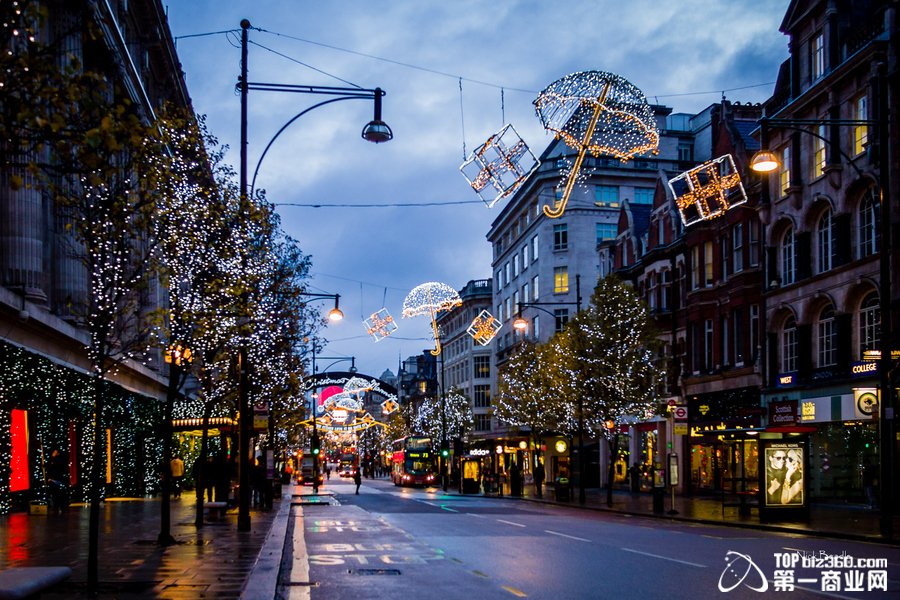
607,363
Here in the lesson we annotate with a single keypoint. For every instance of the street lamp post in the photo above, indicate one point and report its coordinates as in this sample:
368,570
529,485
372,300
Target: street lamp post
375,131
764,162
521,324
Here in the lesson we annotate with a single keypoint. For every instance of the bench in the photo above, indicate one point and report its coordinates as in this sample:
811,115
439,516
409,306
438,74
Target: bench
215,510
28,582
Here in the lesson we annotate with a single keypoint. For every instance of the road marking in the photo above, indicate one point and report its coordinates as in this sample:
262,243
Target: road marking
683,562
571,537
480,574
510,523
514,591
474,515
449,509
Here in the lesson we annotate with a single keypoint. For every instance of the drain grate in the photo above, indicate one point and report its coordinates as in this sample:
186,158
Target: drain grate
374,572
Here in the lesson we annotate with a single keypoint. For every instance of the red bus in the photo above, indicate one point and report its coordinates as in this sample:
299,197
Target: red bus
412,462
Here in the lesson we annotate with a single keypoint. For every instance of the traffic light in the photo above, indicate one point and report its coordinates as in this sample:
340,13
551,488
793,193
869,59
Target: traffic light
445,449
315,445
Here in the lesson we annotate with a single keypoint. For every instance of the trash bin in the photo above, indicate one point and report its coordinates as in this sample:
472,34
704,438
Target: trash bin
562,490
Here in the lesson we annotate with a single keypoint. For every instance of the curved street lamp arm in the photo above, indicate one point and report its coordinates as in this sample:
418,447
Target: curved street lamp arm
288,124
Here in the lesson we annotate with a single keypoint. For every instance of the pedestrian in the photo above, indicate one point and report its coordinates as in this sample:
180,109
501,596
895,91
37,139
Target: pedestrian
357,479
57,479
176,467
327,471
869,478
208,476
538,478
635,473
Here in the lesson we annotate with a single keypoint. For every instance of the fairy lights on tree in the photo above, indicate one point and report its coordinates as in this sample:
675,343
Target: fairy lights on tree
429,299
457,416
596,112
499,166
708,190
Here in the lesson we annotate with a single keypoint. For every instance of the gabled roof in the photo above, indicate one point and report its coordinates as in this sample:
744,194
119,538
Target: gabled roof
744,129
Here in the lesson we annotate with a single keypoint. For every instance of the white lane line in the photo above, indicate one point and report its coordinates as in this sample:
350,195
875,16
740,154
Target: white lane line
474,515
571,537
510,523
449,509
683,562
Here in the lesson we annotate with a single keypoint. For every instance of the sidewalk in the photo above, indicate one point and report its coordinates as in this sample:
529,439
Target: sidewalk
212,562
842,521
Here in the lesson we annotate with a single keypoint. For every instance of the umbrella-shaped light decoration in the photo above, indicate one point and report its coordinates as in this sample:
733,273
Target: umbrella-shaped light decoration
357,386
380,324
708,190
484,327
596,112
499,166
429,299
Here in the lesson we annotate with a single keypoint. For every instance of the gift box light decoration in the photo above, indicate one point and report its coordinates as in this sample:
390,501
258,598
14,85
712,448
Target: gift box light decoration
389,406
429,299
708,190
499,166
484,327
596,112
380,324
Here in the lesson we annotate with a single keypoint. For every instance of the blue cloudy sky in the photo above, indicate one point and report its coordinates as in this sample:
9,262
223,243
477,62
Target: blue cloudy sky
681,53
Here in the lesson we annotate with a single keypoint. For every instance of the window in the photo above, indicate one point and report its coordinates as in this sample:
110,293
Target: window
784,175
560,280
515,301
817,56
723,331
723,255
500,312
499,278
738,337
869,220
707,264
685,151
516,265
535,323
737,248
561,315
534,287
661,232
860,133
606,231
481,396
695,267
826,337
524,257
482,422
560,237
754,331
643,195
508,307
754,243
525,290
819,154
825,243
869,323
708,344
534,248
789,346
507,274
482,365
606,195
788,264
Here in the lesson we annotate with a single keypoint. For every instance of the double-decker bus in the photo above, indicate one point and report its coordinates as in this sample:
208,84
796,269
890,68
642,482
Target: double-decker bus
348,464
412,462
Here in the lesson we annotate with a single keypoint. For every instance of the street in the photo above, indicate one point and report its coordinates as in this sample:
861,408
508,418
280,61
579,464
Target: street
391,542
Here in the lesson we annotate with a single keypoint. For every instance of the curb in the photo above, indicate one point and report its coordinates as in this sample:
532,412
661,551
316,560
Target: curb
263,579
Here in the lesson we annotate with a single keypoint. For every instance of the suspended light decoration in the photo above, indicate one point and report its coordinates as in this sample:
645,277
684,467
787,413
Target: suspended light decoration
596,112
429,299
708,190
380,324
499,166
389,406
484,327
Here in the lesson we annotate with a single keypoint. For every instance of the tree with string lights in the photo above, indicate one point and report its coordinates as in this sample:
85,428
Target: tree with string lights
454,413
606,363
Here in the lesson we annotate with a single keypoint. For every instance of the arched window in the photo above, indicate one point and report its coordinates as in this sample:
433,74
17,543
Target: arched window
869,323
788,258
826,338
789,346
825,243
869,220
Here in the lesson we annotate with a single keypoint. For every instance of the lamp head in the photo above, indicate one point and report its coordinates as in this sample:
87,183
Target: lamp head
377,131
520,324
335,314
764,161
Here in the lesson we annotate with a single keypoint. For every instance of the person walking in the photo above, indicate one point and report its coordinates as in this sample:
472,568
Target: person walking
357,479
538,479
176,467
58,478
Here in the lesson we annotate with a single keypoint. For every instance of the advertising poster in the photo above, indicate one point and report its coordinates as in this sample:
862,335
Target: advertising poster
784,475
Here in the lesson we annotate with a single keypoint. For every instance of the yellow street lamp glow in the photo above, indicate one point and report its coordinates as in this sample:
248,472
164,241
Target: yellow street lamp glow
520,324
335,314
523,445
561,446
764,162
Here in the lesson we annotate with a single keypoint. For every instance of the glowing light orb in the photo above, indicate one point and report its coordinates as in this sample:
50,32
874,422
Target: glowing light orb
596,112
708,190
484,328
380,324
429,299
499,166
